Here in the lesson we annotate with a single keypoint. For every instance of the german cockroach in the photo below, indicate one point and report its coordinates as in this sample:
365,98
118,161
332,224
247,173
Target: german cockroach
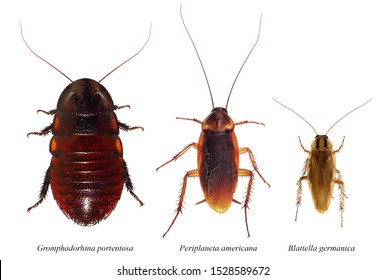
87,171
320,169
218,154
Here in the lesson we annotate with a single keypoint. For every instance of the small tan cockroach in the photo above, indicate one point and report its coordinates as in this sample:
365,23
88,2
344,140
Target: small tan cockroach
218,155
320,169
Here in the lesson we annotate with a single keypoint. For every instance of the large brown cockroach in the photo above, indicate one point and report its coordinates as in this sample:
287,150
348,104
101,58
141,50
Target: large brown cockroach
87,171
320,169
218,155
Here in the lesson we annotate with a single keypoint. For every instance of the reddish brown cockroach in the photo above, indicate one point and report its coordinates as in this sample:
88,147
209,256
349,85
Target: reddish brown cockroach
320,169
218,155
87,170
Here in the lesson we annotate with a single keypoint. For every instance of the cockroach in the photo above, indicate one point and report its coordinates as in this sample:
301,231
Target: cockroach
218,155
87,171
320,169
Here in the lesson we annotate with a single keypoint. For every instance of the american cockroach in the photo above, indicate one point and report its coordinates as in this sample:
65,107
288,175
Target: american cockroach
87,171
320,169
218,154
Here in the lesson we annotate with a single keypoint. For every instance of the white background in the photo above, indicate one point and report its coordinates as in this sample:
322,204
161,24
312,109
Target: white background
322,58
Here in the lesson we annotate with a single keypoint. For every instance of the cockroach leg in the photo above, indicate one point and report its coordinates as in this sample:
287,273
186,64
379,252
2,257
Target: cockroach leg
44,189
299,184
43,132
342,144
191,173
250,174
187,119
246,122
50,112
342,193
251,156
303,148
129,186
236,201
199,202
116,107
178,155
125,127
299,191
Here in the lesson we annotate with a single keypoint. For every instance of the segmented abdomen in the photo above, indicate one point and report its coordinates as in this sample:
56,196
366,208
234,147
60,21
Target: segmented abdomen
86,174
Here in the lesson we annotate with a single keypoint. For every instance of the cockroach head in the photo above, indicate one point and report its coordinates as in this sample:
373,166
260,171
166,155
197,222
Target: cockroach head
321,143
85,96
218,121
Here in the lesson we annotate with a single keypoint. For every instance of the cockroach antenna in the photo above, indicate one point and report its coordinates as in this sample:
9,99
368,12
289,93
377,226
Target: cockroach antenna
347,115
25,42
243,64
296,114
124,62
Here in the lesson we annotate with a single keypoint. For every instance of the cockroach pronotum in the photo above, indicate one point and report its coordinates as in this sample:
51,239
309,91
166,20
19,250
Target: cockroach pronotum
320,169
218,154
87,171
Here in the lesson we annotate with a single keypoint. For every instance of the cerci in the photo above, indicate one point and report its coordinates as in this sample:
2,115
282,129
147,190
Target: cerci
87,171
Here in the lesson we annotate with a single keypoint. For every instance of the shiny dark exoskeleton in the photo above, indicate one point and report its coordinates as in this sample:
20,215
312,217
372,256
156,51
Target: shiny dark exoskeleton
87,170
218,160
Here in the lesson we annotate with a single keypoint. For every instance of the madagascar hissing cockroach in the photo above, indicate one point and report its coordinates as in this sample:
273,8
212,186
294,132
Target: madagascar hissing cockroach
320,169
218,155
87,171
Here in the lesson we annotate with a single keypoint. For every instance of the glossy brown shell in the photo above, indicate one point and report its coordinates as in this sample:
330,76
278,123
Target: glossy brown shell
321,167
218,160
87,168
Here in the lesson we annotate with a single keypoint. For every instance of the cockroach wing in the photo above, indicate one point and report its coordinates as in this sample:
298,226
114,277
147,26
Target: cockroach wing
218,164
321,174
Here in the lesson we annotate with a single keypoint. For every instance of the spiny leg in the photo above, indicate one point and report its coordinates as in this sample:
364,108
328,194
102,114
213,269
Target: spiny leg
299,184
342,144
178,155
250,174
299,194
116,107
42,132
303,148
187,119
303,177
47,129
251,156
246,122
125,127
50,112
191,173
129,186
44,189
185,149
342,193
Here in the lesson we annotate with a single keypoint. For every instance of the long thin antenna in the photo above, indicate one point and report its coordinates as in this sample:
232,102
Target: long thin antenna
22,36
347,114
196,51
149,35
297,115
247,57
